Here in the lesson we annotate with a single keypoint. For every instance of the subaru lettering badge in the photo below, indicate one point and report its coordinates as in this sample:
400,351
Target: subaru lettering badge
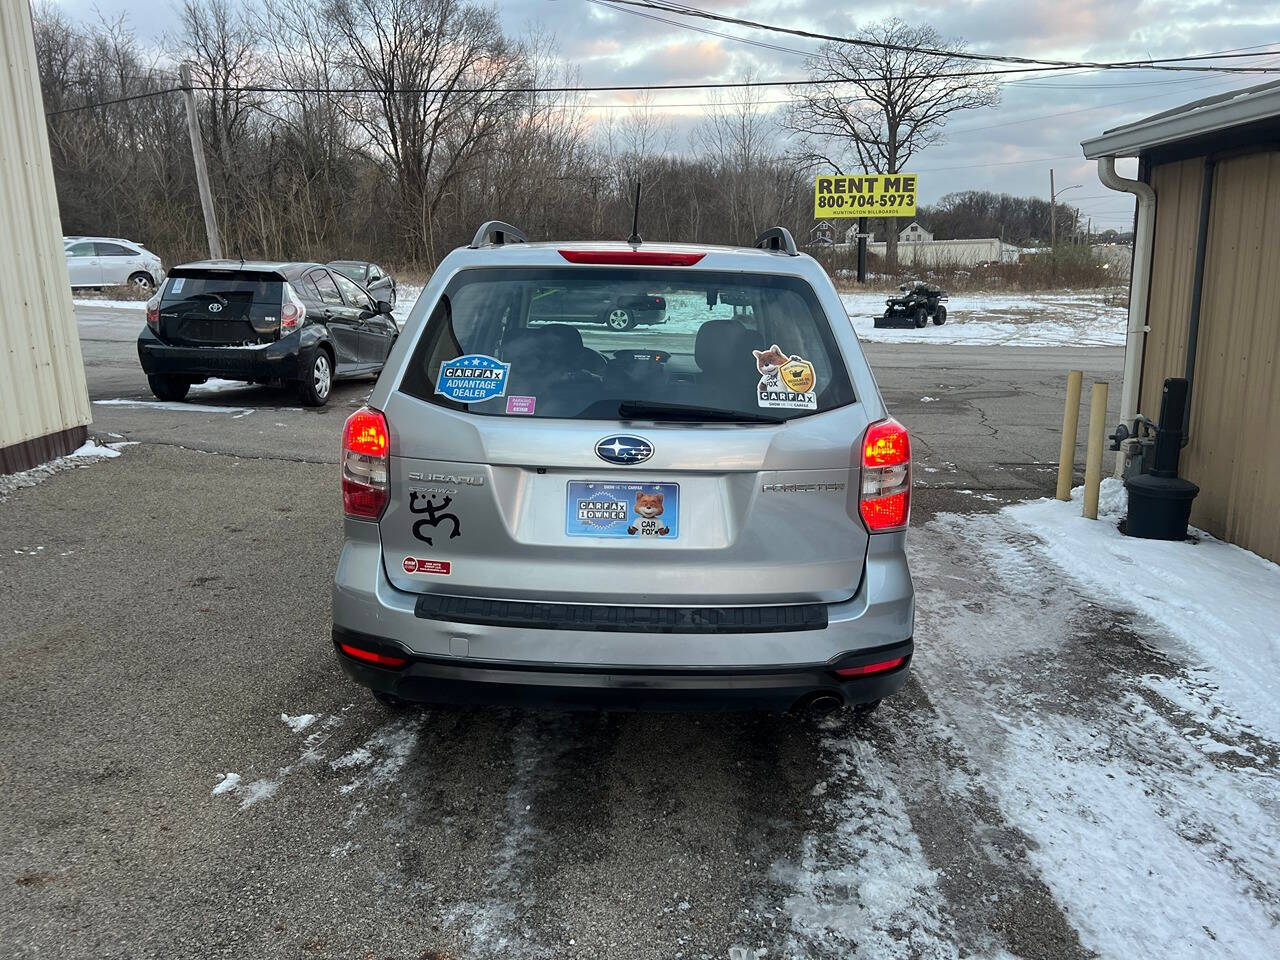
624,449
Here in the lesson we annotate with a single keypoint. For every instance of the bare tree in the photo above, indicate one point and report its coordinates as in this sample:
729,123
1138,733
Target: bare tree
901,98
740,138
444,72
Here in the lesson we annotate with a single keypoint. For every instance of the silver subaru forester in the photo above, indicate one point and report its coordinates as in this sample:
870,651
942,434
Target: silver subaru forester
704,511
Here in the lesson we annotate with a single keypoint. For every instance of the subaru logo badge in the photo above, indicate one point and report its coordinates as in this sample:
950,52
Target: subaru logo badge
624,449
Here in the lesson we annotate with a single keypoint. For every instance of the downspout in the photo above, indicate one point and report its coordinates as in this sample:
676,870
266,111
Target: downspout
1139,286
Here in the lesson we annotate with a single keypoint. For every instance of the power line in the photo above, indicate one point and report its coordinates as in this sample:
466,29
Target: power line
1165,63
108,103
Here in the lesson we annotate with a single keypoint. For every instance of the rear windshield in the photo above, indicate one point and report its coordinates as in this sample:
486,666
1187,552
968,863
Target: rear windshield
625,343
227,287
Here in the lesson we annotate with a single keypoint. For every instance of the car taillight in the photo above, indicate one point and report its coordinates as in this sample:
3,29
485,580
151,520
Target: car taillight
292,310
365,464
642,258
373,656
866,669
885,498
153,313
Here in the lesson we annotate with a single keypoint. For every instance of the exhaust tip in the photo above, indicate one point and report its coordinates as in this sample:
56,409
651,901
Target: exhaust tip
819,704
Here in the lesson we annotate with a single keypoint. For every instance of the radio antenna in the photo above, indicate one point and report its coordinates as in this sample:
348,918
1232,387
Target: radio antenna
635,239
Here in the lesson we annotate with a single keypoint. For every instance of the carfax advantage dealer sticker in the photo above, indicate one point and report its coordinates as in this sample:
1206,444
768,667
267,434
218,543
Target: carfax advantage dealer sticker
866,195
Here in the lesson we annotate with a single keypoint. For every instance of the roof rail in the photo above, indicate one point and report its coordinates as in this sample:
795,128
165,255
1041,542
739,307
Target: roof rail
779,239
497,232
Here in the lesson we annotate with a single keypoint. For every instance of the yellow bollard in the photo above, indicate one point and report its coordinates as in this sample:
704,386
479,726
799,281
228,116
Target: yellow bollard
1093,453
1070,421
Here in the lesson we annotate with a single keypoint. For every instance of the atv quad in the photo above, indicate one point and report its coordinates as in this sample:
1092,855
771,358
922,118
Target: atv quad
920,302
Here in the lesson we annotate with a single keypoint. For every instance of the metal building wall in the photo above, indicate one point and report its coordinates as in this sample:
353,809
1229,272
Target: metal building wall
1234,450
1177,187
1234,453
44,402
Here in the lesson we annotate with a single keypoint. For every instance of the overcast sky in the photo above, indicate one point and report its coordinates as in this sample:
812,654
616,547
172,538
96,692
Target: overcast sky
1011,148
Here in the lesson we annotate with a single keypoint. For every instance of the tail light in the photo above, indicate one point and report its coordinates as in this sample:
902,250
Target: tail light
292,310
885,498
373,656
365,464
153,313
866,669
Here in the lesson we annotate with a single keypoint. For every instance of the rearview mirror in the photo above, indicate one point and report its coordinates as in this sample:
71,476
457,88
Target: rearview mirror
383,306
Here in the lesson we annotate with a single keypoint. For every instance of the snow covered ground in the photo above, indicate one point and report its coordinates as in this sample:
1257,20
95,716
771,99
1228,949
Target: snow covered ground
1217,602
1089,319
1093,318
1116,699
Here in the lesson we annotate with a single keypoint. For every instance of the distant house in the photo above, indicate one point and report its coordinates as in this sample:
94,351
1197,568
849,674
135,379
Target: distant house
823,233
914,233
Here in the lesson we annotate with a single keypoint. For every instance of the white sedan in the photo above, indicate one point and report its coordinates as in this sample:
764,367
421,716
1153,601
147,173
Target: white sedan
111,262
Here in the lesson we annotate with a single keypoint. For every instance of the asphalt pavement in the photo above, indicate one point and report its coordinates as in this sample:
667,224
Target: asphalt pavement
164,619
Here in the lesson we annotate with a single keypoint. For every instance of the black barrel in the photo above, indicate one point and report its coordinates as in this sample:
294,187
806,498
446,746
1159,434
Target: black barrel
1159,507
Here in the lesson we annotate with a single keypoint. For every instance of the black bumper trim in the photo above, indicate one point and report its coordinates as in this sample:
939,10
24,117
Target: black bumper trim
619,619
592,687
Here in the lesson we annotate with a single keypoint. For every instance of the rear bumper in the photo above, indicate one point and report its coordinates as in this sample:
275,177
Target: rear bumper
275,361
456,657
588,687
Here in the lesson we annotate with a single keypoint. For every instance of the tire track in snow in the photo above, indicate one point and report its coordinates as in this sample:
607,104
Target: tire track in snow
862,886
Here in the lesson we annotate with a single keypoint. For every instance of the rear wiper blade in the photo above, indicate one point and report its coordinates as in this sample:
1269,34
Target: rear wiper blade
688,412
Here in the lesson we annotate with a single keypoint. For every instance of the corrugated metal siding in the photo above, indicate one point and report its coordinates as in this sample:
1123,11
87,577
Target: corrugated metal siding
1177,187
1234,453
42,383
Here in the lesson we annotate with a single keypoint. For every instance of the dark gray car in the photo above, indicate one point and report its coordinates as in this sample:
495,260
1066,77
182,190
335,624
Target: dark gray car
377,280
299,324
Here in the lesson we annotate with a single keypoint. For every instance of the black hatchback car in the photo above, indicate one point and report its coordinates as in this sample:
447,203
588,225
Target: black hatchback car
298,324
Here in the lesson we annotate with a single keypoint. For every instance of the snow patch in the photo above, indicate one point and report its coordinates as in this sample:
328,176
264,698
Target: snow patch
1089,319
300,722
176,407
91,450
1221,602
111,304
229,782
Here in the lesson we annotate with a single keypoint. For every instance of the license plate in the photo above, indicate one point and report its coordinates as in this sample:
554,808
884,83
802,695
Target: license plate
623,511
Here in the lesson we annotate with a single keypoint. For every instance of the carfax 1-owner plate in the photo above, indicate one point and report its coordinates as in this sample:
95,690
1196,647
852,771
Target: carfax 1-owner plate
623,511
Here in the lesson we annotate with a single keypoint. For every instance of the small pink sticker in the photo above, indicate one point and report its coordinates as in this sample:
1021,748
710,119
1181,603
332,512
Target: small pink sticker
521,405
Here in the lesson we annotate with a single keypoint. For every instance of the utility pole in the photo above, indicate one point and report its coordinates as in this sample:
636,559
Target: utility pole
202,172
1052,213
862,249
1053,209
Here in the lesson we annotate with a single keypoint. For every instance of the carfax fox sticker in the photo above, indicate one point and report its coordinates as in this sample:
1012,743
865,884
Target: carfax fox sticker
473,378
786,382
626,511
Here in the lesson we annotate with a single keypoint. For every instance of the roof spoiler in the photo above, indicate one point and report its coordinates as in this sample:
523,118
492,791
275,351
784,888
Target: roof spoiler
778,239
499,233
